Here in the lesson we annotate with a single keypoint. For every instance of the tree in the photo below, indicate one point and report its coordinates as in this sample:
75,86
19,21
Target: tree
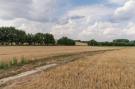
120,41
39,38
20,37
65,41
49,39
29,39
10,35
116,42
92,42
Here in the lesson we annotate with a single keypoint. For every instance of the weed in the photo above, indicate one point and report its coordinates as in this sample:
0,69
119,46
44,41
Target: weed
13,62
3,65
24,61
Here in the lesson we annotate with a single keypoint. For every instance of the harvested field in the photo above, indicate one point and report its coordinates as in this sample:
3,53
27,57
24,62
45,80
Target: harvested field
37,52
109,70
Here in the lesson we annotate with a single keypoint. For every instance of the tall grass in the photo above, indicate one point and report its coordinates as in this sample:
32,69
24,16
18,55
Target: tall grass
14,62
23,61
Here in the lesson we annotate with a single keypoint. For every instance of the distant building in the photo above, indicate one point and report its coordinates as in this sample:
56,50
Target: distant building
81,43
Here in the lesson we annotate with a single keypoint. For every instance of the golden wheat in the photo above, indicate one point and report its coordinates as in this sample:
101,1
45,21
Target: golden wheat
110,70
37,52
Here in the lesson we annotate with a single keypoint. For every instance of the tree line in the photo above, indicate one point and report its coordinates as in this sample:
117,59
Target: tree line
13,36
116,42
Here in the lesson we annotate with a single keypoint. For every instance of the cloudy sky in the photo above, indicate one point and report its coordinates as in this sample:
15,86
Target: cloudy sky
102,20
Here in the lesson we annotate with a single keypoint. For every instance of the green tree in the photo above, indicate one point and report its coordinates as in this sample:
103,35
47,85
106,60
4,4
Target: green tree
39,38
92,42
29,39
65,41
49,39
121,41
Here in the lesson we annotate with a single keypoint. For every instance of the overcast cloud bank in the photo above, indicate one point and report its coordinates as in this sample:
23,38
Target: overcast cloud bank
101,21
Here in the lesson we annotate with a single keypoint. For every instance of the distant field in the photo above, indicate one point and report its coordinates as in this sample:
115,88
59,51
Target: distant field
109,70
36,52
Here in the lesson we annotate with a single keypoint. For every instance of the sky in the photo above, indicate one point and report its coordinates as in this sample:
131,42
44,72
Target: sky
102,20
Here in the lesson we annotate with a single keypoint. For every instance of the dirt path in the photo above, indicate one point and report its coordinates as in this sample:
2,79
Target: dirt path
39,69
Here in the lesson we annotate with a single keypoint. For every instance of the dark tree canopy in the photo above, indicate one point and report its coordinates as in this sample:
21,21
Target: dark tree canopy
65,41
116,42
13,36
92,42
121,41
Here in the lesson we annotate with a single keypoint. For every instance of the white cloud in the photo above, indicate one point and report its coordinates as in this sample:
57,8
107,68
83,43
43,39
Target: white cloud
64,30
93,12
92,22
130,29
28,25
126,11
80,20
30,15
119,2
102,31
43,10
38,10
99,21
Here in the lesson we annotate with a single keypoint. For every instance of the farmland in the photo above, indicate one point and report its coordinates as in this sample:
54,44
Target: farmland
92,68
18,59
37,52
108,70
67,44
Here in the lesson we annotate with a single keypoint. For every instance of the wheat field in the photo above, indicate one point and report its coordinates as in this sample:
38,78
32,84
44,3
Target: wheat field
36,52
109,70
